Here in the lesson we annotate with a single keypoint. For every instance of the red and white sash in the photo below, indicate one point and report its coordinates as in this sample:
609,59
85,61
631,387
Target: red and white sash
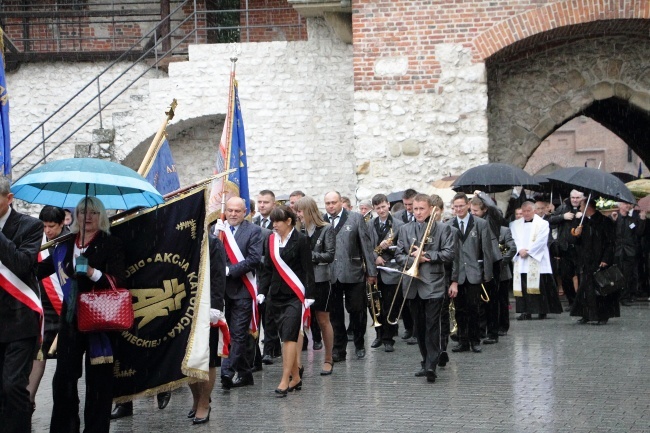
235,255
21,291
289,277
51,283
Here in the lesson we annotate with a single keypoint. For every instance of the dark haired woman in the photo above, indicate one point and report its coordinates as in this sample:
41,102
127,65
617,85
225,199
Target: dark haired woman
288,276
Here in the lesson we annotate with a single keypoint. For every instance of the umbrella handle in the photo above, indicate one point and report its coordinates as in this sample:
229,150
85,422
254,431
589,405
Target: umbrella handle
577,231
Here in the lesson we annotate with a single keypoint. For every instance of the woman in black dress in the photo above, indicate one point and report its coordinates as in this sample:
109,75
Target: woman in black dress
323,248
288,276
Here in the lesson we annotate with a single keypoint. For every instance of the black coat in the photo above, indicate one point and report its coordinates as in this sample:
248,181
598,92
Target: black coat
596,243
217,272
297,255
20,242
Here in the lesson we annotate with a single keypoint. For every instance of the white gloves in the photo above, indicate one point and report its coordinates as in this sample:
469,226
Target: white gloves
219,225
215,315
260,299
309,302
227,271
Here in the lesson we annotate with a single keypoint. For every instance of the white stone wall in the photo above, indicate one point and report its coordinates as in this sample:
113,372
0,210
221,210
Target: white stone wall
407,140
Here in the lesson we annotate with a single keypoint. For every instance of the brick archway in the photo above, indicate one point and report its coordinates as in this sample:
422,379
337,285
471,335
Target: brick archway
566,19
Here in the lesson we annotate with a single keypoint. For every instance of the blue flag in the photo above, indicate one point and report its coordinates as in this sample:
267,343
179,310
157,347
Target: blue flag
237,183
163,175
5,141
640,175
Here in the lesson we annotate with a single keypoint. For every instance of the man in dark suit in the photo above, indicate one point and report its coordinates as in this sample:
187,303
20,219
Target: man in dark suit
627,248
353,248
239,295
475,270
20,242
383,231
265,204
427,292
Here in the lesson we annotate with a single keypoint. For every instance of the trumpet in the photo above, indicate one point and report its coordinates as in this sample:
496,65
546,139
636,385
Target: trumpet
388,239
374,303
413,271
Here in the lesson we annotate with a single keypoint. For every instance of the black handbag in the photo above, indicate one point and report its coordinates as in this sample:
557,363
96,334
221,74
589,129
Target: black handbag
608,280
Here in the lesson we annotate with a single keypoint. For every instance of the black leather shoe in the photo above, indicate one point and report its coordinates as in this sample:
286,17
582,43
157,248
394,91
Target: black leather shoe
202,420
443,359
267,359
338,357
583,321
567,309
318,345
361,353
163,399
524,316
460,348
626,303
388,347
121,410
503,333
476,348
431,376
226,382
411,341
421,373
280,393
257,368
541,316
376,343
243,381
491,340
600,323
407,334
191,413
296,387
454,337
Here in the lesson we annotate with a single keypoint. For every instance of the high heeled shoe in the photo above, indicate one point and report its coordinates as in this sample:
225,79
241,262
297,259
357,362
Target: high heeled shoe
191,413
279,393
296,387
301,370
202,420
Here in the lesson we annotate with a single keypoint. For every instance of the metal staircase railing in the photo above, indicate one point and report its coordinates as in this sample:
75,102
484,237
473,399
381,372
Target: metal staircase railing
152,51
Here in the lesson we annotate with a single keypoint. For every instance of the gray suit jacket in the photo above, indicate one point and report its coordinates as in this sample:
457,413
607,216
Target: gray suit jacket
323,250
387,255
249,239
353,248
439,248
505,239
257,220
476,251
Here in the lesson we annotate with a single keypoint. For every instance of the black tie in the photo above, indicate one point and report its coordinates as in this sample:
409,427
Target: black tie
264,221
332,219
462,226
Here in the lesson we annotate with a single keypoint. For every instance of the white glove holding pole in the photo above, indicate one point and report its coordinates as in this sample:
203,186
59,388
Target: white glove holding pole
219,225
260,299
215,315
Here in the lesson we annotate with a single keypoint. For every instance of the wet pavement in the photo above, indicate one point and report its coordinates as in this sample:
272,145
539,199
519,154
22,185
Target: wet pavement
545,376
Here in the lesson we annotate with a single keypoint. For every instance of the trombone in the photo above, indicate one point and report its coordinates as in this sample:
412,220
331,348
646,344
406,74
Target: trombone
485,298
413,271
374,303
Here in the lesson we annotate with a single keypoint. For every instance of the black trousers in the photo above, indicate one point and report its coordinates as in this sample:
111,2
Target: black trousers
504,302
388,332
71,347
492,307
629,267
272,345
238,317
427,328
467,313
355,304
568,270
16,359
445,323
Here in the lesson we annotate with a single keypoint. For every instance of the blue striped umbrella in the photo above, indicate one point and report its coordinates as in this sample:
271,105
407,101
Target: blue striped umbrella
65,182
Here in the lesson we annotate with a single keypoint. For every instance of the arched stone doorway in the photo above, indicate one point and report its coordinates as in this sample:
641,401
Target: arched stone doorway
561,60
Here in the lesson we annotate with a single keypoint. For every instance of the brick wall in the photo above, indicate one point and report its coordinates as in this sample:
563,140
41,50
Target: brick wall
272,20
412,28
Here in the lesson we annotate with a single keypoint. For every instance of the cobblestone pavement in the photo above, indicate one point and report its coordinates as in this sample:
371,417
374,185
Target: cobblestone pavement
544,376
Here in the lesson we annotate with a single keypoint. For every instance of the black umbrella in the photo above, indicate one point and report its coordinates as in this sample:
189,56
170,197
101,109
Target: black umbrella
592,181
493,177
625,177
394,197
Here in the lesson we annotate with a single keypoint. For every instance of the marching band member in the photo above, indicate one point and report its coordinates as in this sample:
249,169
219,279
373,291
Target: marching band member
288,276
426,293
